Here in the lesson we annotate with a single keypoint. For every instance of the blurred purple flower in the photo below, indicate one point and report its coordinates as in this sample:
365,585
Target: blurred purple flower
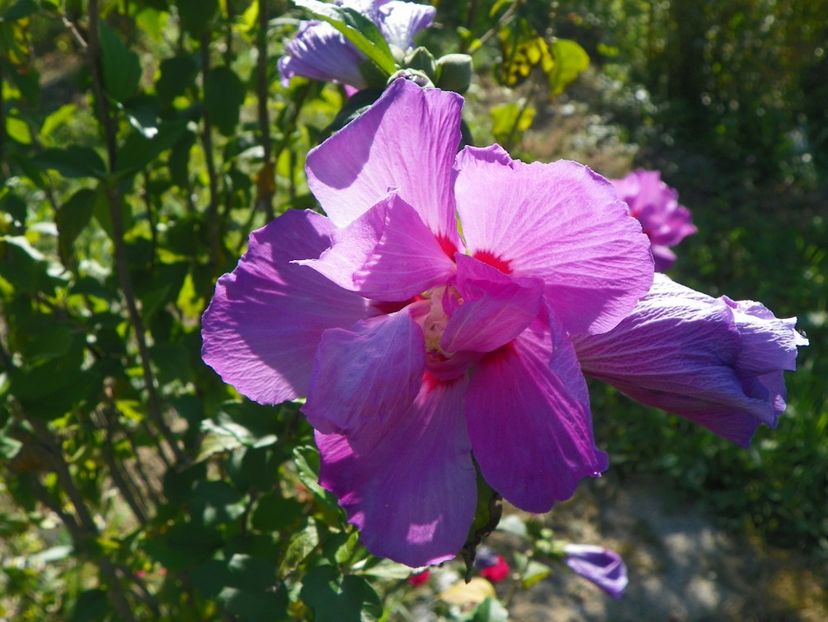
417,348
603,567
320,52
714,361
656,205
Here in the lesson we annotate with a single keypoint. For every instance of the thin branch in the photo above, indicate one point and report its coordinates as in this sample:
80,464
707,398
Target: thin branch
116,214
84,530
5,165
207,144
265,180
151,218
504,19
228,33
122,479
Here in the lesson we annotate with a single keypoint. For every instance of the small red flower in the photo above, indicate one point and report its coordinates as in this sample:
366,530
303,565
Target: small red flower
420,578
497,571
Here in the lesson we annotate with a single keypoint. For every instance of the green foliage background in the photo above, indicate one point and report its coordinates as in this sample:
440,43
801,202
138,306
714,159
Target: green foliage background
141,141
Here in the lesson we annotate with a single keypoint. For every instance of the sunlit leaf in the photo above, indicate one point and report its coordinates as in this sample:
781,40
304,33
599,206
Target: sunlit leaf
300,546
522,49
570,61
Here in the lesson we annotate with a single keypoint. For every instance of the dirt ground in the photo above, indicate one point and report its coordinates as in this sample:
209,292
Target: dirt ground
682,567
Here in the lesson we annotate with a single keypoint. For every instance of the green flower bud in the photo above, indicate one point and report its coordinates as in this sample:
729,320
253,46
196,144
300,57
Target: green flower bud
454,72
421,60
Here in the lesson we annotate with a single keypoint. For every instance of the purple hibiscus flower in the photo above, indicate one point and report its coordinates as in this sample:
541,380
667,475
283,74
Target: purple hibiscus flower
603,567
656,205
320,52
714,361
419,348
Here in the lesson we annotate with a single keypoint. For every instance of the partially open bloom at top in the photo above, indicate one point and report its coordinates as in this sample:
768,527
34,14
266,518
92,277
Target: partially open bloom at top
320,52
715,361
418,347
656,205
604,567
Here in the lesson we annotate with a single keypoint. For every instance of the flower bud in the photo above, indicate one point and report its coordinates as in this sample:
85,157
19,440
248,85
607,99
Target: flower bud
454,72
421,60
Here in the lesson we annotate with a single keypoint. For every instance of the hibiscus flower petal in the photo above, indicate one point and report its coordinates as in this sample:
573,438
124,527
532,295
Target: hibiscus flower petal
496,307
406,141
714,361
560,222
364,374
262,327
604,567
320,52
527,409
410,489
385,254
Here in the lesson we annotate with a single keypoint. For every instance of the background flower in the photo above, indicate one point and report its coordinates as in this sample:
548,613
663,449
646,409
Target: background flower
603,567
656,206
320,52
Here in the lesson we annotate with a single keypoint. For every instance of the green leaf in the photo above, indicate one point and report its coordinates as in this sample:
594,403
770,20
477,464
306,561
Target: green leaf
183,546
52,388
300,546
102,213
336,599
570,61
9,447
179,165
535,573
216,502
72,218
72,161
510,121
382,569
490,610
307,468
40,338
223,97
522,49
142,112
358,29
196,15
23,266
513,524
19,10
91,606
245,572
138,151
11,203
18,130
121,67
59,118
254,606
274,513
177,75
